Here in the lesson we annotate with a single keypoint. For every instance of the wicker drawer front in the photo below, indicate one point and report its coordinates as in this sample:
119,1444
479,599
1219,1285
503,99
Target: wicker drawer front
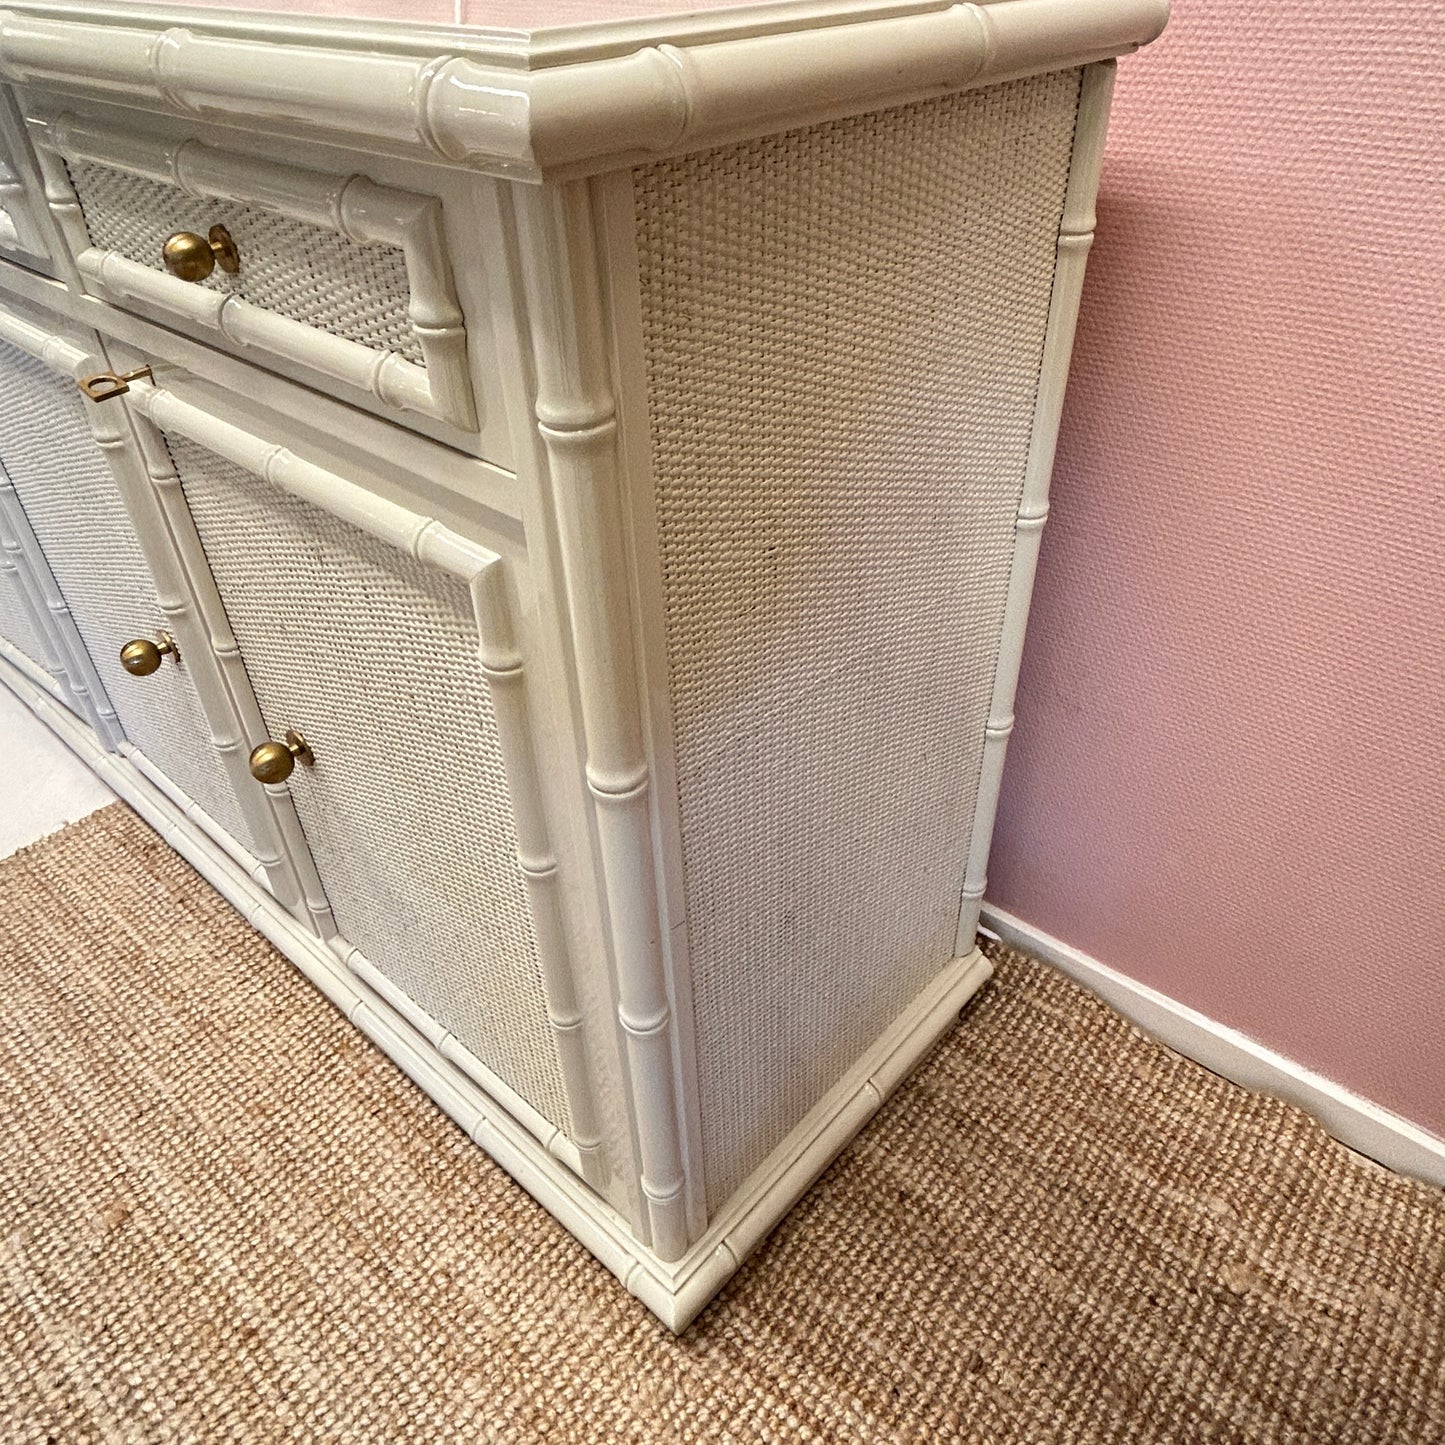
841,397
335,274
76,513
374,658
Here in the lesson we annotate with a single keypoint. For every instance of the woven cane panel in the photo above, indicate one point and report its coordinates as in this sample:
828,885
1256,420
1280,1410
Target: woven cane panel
15,625
288,266
71,501
843,328
407,811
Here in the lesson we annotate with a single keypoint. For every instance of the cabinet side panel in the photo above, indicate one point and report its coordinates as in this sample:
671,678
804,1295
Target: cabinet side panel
374,657
843,328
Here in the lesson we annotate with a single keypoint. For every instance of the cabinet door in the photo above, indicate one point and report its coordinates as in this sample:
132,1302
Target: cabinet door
74,508
27,642
358,623
51,650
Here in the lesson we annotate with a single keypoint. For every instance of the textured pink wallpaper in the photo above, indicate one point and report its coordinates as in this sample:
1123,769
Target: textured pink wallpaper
1228,777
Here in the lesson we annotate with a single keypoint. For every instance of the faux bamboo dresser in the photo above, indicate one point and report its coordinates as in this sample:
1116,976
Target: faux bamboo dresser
541,511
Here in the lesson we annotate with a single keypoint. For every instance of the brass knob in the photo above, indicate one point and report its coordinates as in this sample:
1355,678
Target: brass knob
142,657
192,258
273,762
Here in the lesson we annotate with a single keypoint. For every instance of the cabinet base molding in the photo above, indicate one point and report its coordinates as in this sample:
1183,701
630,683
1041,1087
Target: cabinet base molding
676,1292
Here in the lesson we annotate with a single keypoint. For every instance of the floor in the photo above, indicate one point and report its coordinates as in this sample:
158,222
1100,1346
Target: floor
224,1216
48,785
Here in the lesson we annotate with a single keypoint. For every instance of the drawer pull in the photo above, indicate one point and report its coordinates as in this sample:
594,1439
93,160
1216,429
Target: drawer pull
107,384
141,657
192,258
273,762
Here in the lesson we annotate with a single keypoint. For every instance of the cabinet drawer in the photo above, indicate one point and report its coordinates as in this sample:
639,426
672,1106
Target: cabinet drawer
334,274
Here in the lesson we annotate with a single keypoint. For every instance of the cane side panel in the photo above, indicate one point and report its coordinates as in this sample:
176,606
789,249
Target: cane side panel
843,329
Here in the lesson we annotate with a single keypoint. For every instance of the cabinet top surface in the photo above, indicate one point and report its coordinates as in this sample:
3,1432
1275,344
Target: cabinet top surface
536,33
527,15
532,88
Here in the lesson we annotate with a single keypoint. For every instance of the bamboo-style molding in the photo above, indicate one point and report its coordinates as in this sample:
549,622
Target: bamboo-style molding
577,425
449,1047
1076,235
483,572
502,665
165,484
61,200
605,110
353,206
27,667
812,1145
246,861
14,201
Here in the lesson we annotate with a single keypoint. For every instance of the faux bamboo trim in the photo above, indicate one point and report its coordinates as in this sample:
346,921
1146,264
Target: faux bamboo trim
20,231
577,426
82,679
452,1049
516,728
1076,230
27,667
246,861
603,111
788,1173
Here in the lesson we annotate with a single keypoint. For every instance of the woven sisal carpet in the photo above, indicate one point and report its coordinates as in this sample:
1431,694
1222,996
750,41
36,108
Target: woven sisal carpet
224,1216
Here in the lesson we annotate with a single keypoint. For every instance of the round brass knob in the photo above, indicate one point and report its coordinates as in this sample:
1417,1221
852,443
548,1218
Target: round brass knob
141,657
192,258
273,762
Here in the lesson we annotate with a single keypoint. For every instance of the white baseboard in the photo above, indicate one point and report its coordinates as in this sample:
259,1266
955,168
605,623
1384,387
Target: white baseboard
1355,1122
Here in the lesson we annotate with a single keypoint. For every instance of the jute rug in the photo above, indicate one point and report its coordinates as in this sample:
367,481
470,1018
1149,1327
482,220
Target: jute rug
224,1216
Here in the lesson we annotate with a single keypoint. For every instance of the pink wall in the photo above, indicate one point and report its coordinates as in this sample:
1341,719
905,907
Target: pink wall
1228,777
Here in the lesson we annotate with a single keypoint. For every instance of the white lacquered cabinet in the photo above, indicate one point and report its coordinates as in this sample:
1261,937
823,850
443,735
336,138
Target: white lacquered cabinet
593,477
